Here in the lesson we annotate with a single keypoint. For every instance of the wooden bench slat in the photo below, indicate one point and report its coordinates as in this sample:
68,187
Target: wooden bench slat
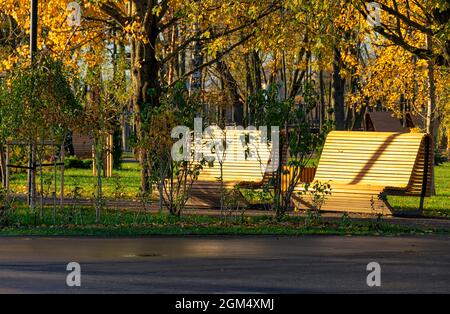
362,165
359,165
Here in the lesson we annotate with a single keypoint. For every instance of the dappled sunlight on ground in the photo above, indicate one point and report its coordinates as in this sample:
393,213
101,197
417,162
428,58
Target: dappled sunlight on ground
435,205
125,185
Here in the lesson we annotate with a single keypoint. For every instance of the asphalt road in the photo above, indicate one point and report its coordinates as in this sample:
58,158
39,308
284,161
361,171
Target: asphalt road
313,264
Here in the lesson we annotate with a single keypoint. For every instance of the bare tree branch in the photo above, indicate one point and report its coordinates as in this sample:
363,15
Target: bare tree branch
212,61
112,10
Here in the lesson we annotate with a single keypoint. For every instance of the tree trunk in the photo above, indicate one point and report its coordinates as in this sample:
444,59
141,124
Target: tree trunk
358,119
145,71
232,86
431,106
181,63
322,98
350,119
256,81
197,61
257,70
338,92
448,143
250,89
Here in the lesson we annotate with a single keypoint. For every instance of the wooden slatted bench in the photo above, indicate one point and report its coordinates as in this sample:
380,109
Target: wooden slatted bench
363,166
383,121
243,167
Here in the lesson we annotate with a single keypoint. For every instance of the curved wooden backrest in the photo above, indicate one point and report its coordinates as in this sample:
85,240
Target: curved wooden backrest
390,160
82,145
242,161
383,121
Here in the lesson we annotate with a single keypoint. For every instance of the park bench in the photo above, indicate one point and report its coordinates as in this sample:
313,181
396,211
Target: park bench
362,167
244,164
242,170
383,121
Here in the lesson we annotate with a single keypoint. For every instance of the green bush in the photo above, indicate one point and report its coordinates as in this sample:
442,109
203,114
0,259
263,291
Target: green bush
87,163
77,163
5,208
439,158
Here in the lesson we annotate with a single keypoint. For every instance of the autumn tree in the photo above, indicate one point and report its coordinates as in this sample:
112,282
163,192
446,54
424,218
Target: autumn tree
402,17
182,24
421,29
37,105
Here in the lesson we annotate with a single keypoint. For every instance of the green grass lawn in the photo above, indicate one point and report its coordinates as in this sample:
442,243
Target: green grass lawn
81,222
124,184
438,205
76,220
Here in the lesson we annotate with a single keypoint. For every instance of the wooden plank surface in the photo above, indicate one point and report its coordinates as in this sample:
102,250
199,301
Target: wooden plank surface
376,158
383,121
361,166
82,145
243,161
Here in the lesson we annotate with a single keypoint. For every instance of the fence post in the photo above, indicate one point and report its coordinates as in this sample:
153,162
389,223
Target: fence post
61,201
7,168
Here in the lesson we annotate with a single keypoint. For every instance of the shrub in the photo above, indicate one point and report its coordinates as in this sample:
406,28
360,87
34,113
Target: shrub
5,208
317,192
87,163
439,158
77,163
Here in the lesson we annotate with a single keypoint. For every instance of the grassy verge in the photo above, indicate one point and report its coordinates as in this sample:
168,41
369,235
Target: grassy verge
124,183
81,222
435,206
438,205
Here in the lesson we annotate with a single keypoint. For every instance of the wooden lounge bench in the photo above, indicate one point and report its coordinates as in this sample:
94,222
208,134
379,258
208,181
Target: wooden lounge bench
244,172
383,121
364,166
244,167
